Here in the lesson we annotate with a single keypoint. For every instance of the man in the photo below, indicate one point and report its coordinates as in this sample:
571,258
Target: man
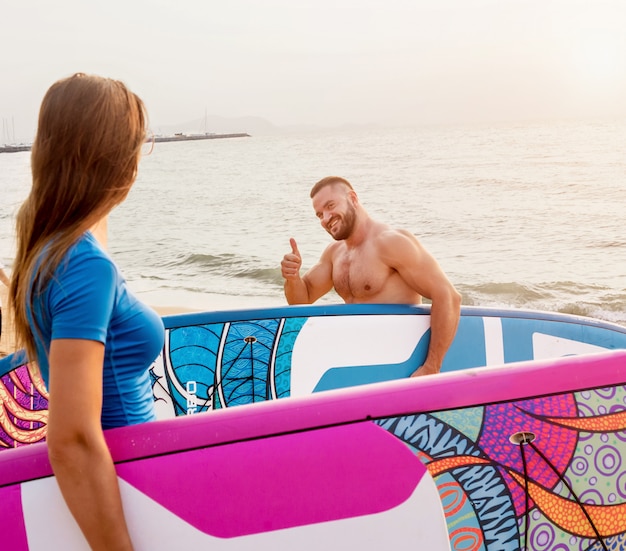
370,262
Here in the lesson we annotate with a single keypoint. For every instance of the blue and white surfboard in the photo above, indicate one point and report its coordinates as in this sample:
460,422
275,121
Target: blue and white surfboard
216,360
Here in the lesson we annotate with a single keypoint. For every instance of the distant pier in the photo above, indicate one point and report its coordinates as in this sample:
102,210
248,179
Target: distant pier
171,138
14,148
190,137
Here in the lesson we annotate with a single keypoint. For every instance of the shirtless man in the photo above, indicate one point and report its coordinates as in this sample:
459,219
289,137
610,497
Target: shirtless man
372,262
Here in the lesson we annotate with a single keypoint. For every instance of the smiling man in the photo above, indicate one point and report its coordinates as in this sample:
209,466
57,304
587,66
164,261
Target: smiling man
370,262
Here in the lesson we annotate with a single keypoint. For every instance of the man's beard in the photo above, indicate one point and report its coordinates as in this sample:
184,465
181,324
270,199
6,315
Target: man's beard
347,222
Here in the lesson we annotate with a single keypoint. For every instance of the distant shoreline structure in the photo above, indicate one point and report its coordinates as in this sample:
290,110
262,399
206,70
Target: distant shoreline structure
14,148
172,138
206,136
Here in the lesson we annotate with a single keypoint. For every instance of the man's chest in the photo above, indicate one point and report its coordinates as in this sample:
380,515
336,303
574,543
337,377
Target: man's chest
359,276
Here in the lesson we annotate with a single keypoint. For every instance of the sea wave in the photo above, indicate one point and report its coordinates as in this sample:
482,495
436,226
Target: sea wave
566,297
227,265
213,261
223,267
613,244
249,276
503,293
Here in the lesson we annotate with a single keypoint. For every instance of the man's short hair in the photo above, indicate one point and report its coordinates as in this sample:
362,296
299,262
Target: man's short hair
329,181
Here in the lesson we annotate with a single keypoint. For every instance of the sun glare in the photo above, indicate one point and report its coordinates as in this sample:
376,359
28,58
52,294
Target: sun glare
600,59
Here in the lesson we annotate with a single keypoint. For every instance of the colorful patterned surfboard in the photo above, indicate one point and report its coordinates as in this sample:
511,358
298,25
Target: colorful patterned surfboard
527,455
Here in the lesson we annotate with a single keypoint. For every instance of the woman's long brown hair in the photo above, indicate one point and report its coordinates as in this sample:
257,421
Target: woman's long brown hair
84,161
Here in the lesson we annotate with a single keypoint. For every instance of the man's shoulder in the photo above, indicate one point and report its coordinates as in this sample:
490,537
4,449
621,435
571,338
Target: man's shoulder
386,235
397,245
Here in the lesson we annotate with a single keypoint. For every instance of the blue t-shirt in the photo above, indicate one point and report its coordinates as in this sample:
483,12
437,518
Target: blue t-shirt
88,299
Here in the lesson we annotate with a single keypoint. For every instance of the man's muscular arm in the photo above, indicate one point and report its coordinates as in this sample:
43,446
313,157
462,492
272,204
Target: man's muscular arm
444,319
404,253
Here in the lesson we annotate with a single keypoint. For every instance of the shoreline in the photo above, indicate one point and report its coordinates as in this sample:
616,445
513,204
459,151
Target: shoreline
178,301
179,137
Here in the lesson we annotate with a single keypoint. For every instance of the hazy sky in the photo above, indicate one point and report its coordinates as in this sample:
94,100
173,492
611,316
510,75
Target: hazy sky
324,62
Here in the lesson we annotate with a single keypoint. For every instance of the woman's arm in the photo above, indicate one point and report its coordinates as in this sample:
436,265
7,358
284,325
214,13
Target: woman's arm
78,453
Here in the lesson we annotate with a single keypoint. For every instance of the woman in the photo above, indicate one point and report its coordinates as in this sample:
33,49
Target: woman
94,342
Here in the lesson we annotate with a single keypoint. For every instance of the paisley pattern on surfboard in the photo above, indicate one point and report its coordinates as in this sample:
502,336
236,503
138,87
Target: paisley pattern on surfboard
567,487
23,408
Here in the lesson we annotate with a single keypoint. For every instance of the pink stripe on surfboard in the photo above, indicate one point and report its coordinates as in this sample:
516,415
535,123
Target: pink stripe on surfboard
281,482
13,533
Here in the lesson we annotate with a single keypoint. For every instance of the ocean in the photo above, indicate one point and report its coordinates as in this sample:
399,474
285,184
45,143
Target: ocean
518,215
